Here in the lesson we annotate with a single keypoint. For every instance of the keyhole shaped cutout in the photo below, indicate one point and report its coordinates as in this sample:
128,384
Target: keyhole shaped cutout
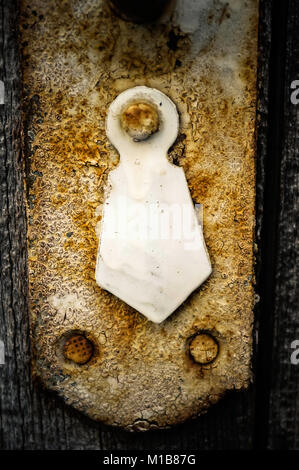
151,252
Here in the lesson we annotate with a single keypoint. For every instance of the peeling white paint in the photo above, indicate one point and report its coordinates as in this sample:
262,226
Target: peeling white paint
63,303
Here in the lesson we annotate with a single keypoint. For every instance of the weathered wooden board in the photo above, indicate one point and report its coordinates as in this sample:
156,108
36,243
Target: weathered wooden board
277,379
284,399
77,56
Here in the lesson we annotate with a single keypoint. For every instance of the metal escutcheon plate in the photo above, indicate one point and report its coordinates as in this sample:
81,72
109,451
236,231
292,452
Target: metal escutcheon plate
102,356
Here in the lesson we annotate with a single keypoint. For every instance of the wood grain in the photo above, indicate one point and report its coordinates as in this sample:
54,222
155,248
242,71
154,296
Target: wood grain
278,389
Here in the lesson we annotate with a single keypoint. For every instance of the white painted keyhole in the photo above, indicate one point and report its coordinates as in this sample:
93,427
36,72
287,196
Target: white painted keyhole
151,252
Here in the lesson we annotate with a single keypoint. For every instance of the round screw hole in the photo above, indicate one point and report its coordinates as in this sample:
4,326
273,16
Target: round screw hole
203,348
78,349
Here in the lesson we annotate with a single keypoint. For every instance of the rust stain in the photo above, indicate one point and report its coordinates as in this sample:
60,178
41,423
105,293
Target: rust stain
78,349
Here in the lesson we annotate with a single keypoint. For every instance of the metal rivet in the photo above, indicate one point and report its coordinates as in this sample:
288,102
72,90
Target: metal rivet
203,348
140,120
78,349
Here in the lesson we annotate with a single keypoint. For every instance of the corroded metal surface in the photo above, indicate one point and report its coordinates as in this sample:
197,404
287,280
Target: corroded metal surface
77,57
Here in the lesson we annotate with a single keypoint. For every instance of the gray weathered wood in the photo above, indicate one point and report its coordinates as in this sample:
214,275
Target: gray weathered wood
284,397
276,399
15,374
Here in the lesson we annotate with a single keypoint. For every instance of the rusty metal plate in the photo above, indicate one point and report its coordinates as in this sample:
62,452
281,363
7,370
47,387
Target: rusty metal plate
99,354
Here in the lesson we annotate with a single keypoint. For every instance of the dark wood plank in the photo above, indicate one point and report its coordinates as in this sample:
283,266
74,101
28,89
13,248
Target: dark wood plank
284,397
14,375
276,423
269,142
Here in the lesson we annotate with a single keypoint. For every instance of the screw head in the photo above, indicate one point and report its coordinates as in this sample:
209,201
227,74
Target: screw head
203,348
140,120
78,349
